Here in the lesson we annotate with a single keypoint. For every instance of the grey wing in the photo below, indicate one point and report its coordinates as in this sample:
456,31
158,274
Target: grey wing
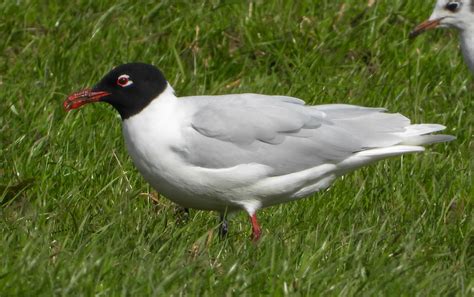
277,131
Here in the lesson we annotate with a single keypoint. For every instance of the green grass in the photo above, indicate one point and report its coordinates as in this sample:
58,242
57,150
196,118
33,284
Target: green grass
76,218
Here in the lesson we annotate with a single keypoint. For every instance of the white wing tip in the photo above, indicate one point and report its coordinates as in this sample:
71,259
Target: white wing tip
391,151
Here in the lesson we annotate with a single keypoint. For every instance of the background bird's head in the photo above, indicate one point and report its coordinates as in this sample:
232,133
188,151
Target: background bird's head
457,14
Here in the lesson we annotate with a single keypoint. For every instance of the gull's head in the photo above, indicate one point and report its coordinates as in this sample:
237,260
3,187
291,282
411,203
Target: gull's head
129,88
457,14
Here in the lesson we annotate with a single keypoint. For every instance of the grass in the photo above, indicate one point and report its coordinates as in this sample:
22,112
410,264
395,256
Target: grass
76,218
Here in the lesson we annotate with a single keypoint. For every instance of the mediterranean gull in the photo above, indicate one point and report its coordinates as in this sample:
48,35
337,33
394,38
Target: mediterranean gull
245,151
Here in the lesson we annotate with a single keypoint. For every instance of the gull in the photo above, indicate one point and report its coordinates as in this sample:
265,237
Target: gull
457,14
245,152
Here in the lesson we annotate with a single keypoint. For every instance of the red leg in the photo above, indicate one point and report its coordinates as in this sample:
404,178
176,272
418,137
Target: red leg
256,231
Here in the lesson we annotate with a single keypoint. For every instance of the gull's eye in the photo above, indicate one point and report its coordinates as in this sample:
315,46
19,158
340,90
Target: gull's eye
124,80
453,6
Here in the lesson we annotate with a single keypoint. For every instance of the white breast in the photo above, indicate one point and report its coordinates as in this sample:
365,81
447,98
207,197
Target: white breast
467,46
154,138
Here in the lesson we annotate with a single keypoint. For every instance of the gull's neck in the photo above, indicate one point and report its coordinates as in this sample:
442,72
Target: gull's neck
467,46
159,108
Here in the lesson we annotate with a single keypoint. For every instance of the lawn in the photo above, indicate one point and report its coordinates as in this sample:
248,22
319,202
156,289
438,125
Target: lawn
76,218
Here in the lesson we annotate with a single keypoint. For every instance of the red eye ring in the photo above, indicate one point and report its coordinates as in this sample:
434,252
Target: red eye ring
124,80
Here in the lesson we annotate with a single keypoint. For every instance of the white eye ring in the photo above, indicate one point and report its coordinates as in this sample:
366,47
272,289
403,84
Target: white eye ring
124,80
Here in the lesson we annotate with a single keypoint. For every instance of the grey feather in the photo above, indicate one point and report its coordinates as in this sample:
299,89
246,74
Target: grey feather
283,133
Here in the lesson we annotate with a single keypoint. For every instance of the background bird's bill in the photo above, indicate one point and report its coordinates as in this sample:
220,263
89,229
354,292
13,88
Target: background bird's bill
426,25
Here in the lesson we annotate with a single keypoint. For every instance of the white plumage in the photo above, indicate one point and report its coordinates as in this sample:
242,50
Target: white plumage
245,152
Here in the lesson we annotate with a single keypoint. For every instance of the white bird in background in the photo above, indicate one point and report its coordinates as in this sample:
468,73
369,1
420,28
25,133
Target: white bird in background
245,151
457,14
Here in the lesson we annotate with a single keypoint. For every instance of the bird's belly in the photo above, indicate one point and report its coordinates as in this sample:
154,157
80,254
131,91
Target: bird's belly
241,187
169,181
185,184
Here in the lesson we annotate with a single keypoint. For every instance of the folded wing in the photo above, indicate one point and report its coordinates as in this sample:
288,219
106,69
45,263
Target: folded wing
286,135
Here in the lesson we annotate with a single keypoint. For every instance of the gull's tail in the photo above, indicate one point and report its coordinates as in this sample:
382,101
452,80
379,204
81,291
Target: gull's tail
381,134
421,134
